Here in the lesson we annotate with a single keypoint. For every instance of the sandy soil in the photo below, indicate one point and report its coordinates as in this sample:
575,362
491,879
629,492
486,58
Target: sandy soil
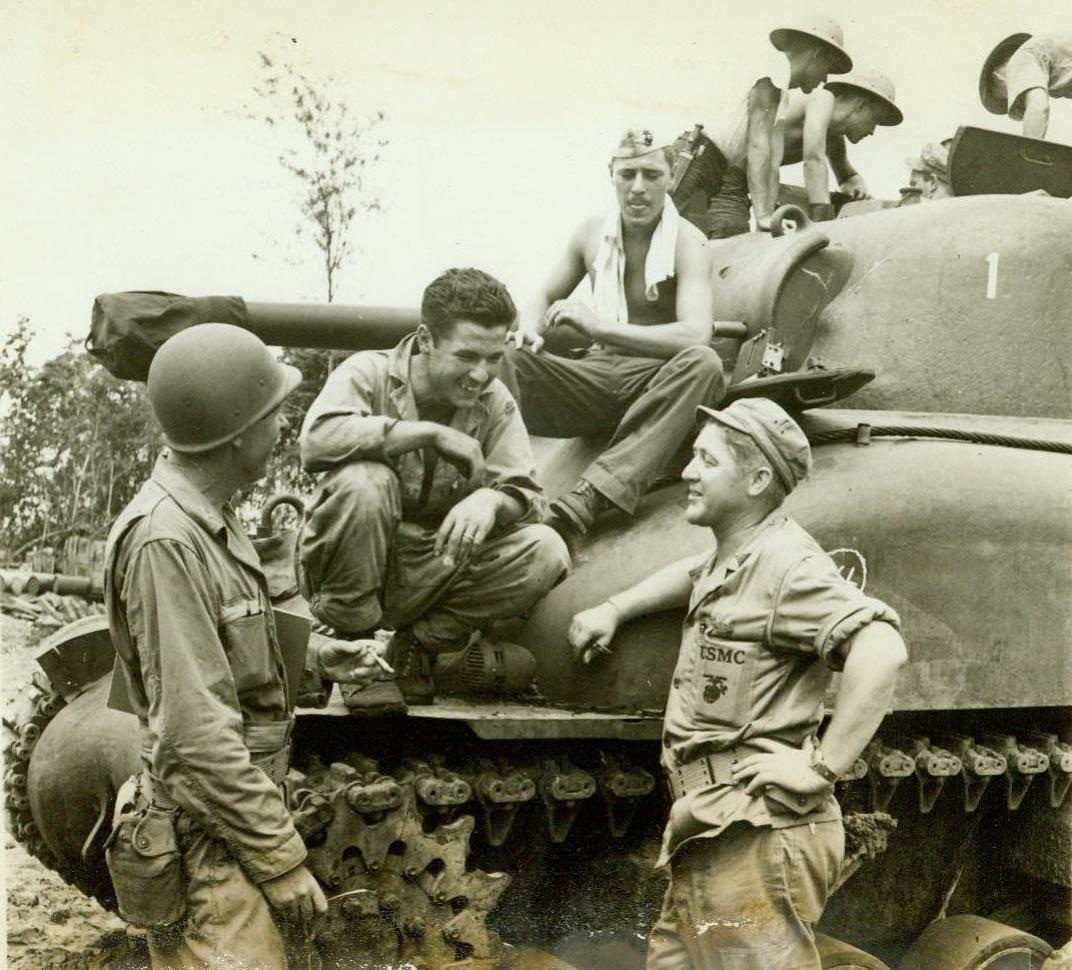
49,925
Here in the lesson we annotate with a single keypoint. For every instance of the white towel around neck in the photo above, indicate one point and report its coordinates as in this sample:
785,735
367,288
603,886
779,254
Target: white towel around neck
608,288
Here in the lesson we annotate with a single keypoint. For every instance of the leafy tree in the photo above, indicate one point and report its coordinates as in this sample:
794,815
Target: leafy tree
329,151
75,444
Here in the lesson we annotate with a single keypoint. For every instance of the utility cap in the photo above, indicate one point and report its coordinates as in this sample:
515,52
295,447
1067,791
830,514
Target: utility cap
822,29
933,159
873,83
777,435
209,383
637,142
998,57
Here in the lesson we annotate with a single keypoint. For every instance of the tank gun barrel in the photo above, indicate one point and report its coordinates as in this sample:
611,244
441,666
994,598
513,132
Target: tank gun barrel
330,326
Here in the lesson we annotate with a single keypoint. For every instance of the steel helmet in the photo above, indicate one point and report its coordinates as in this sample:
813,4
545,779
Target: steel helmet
210,382
822,29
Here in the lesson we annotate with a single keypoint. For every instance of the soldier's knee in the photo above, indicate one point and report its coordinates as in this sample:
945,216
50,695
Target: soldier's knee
699,358
365,481
549,556
701,364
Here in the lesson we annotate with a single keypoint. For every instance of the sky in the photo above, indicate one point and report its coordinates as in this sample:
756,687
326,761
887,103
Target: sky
130,161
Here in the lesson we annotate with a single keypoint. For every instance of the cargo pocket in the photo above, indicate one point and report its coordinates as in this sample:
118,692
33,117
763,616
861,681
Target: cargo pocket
145,864
244,631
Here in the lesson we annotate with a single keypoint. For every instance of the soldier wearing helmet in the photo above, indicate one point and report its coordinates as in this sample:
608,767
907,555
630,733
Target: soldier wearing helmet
200,664
754,842
1021,74
740,162
847,108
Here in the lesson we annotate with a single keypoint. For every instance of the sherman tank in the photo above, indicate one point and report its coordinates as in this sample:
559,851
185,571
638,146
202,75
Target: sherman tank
926,351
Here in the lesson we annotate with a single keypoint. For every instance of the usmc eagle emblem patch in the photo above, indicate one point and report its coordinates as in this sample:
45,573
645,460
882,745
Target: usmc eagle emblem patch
715,688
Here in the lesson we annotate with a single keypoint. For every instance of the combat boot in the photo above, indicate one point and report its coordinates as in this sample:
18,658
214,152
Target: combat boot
412,662
572,514
486,668
380,697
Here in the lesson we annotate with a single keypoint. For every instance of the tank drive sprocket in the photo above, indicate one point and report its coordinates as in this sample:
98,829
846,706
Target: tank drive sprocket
395,869
25,718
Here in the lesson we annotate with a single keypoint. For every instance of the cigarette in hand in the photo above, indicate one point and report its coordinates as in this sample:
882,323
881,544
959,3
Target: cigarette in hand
387,668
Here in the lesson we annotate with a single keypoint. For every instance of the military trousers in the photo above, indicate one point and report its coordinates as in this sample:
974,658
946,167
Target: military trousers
748,899
713,194
362,566
229,923
647,405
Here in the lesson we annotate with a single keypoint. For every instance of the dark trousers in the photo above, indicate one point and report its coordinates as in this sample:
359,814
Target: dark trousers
712,194
649,405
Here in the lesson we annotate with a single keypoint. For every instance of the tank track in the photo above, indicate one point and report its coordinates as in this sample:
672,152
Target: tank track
27,716
391,851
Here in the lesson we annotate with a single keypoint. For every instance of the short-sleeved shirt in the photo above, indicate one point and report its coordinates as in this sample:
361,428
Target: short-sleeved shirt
760,643
1041,62
196,647
367,394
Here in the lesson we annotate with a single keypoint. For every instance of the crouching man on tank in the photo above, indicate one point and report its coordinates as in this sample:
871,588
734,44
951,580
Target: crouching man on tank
755,840
199,661
428,519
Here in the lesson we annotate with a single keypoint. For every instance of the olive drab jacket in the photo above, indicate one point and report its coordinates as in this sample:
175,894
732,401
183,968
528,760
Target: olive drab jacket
761,641
197,652
370,391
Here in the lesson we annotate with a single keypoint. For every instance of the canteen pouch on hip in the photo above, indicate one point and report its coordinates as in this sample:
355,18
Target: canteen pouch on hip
144,860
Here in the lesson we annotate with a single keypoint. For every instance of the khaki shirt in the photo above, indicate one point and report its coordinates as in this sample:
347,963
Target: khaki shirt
196,646
761,641
1042,62
366,395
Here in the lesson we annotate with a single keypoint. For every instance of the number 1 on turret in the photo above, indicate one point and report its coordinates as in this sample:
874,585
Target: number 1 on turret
992,276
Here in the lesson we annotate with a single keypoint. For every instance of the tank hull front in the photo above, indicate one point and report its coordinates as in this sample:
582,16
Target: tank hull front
971,543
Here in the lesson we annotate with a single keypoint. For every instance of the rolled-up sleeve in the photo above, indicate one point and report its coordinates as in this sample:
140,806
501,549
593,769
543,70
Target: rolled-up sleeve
816,610
342,424
509,465
194,716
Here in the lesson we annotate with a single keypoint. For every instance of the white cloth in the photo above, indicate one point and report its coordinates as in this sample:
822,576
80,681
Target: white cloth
1042,62
608,287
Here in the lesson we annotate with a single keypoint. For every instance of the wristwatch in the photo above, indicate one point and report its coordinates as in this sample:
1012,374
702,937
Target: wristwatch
820,767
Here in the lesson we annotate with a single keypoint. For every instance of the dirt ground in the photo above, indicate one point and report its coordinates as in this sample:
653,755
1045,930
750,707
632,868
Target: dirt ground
49,925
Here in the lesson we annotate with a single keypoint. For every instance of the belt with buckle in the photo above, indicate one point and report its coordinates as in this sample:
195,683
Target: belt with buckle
704,772
710,770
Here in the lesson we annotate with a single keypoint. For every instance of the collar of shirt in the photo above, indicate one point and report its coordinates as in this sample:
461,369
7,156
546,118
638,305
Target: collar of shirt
708,580
221,524
468,420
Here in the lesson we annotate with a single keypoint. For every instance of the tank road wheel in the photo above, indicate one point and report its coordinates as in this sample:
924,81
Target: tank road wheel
393,859
837,955
974,943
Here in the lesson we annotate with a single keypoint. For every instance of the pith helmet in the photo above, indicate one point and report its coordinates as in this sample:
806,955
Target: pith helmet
822,29
874,83
999,55
211,382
